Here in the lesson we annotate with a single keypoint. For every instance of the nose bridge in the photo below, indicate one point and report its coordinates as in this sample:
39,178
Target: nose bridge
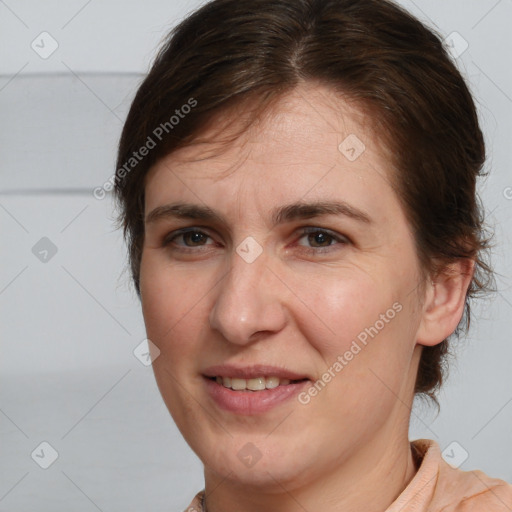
247,301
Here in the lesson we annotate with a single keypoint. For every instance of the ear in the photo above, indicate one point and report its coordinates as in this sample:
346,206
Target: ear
445,298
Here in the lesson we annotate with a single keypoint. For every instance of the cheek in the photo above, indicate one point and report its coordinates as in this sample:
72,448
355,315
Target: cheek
170,295
170,305
338,307
364,343
362,330
167,308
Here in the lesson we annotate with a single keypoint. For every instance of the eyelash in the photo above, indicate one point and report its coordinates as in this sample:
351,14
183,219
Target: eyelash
304,232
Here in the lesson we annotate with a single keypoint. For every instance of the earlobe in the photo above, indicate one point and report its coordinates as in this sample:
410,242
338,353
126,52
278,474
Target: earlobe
445,298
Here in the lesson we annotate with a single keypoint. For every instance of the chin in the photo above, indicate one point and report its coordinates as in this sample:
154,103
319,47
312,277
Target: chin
259,464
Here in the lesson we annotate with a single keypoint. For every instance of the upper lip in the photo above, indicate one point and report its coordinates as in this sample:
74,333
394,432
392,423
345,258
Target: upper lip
251,372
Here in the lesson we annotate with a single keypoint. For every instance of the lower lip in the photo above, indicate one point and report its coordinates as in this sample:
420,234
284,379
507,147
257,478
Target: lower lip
252,402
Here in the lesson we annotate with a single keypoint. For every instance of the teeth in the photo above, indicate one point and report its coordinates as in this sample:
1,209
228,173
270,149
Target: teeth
256,384
238,384
271,382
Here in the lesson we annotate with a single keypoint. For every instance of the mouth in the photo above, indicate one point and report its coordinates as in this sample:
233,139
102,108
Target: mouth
254,384
252,390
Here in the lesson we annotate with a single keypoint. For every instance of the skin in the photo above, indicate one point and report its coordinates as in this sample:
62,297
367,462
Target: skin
295,307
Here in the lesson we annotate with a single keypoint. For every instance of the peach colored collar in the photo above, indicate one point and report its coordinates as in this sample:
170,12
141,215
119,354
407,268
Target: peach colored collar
418,494
439,487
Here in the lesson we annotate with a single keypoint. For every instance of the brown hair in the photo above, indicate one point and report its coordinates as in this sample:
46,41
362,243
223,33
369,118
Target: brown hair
229,53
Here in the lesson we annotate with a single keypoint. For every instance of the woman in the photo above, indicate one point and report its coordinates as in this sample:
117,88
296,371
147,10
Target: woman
297,188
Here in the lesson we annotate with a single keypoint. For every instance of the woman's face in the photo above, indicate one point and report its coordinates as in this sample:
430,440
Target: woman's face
269,289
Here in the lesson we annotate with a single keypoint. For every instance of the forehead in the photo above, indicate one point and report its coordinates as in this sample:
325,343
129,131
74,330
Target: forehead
311,142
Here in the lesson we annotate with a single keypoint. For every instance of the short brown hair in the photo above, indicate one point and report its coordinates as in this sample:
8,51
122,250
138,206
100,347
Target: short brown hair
230,53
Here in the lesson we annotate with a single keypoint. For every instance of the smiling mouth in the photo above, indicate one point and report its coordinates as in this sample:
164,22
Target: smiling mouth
254,384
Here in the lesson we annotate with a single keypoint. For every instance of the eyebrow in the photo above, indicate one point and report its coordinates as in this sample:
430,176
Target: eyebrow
287,213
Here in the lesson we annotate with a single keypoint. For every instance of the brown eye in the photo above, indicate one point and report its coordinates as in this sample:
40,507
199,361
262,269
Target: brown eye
188,238
321,239
194,237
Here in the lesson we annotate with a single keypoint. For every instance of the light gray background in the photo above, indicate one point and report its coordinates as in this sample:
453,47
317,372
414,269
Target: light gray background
69,325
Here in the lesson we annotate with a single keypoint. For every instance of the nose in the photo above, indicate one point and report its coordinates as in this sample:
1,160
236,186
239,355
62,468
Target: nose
249,302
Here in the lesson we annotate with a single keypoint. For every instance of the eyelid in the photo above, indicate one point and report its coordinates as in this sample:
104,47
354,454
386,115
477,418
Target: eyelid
306,230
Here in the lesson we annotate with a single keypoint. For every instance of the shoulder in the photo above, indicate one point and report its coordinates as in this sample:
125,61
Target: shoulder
474,491
466,491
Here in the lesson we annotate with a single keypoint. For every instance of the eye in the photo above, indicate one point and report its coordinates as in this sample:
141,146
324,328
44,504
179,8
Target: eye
321,239
190,238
